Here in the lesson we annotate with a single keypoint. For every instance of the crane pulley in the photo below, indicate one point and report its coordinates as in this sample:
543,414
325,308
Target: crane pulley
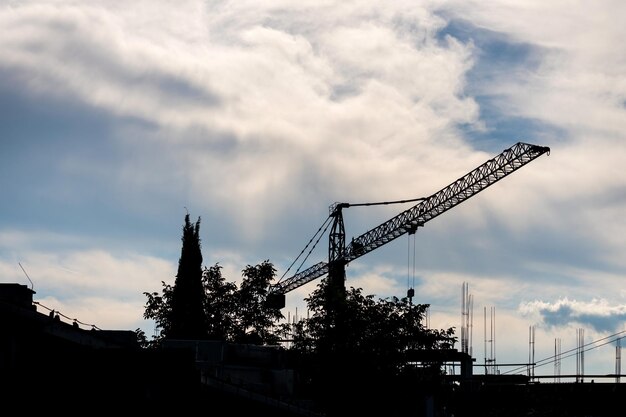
340,254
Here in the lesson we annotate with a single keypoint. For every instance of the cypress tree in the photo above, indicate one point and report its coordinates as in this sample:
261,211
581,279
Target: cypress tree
187,316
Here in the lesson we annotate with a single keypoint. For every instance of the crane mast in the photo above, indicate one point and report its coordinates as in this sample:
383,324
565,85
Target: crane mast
340,254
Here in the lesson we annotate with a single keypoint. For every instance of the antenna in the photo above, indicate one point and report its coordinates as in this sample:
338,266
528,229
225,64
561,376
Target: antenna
32,286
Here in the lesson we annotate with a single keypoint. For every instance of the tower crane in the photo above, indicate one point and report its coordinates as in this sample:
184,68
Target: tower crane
340,254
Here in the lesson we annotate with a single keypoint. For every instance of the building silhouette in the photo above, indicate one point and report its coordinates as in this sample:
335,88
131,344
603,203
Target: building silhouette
49,365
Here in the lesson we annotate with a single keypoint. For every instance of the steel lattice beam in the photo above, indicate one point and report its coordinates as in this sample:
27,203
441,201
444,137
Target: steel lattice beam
487,174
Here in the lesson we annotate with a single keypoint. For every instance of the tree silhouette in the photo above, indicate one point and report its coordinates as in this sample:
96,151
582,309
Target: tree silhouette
255,317
203,305
220,305
371,362
372,359
157,308
187,319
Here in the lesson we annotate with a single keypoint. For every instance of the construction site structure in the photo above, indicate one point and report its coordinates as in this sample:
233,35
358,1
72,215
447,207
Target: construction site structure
341,254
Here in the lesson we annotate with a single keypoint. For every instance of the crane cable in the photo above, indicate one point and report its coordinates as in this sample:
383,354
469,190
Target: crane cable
410,275
326,224
594,345
386,202
410,285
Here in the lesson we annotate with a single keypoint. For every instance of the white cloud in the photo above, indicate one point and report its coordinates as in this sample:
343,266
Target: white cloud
597,313
579,83
92,286
258,116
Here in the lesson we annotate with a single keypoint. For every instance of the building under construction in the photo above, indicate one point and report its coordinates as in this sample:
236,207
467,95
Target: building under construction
48,365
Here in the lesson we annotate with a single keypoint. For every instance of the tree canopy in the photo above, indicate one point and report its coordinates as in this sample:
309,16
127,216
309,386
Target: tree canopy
379,335
369,357
187,318
203,305
233,314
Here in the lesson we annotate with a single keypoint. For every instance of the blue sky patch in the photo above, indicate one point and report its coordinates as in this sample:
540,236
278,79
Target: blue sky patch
497,57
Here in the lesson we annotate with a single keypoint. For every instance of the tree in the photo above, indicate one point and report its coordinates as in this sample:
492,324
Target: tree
221,304
203,305
157,308
256,318
238,315
372,363
187,318
220,308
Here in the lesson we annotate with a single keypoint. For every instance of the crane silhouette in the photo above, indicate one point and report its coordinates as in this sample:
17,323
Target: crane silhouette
427,208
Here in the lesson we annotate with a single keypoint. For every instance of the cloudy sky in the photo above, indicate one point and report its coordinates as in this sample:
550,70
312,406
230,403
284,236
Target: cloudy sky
118,118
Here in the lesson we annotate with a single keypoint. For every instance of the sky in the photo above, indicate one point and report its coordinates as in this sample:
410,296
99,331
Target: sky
117,119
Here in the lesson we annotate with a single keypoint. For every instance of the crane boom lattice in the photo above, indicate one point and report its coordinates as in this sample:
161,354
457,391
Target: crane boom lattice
408,221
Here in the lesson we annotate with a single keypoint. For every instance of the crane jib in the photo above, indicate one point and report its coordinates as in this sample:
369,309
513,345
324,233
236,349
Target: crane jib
428,208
